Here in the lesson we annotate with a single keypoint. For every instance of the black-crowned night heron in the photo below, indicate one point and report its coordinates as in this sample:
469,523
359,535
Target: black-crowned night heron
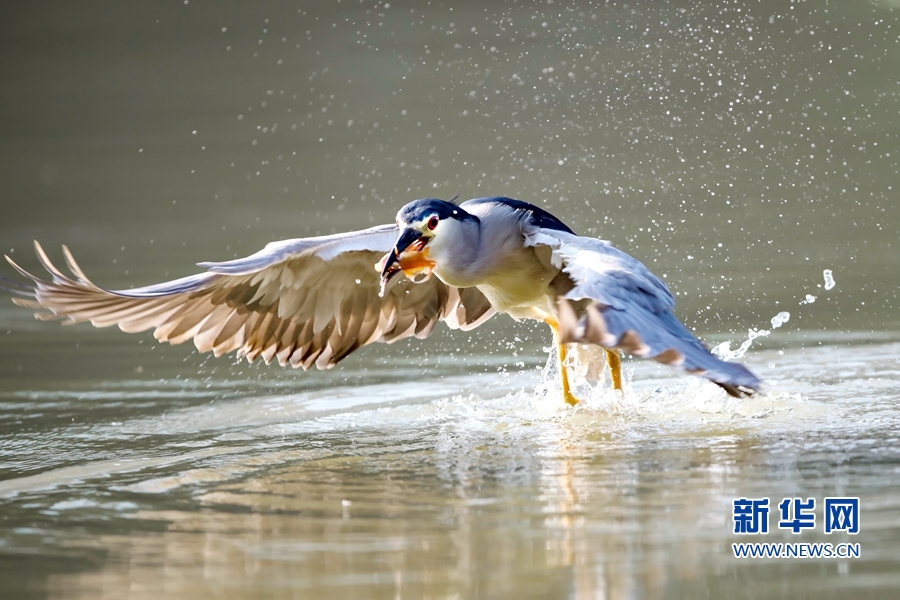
313,301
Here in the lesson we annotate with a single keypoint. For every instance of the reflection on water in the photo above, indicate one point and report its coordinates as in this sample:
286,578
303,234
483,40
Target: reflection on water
741,150
470,488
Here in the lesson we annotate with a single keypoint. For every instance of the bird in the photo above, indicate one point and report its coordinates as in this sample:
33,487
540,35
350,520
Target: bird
313,301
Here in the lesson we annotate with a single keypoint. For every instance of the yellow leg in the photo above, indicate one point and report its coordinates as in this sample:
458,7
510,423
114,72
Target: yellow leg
568,396
615,368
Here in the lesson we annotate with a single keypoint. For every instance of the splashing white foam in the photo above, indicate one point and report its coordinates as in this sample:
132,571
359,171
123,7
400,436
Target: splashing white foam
687,400
829,280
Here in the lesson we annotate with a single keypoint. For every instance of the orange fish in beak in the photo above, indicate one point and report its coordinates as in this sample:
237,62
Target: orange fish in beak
409,255
414,264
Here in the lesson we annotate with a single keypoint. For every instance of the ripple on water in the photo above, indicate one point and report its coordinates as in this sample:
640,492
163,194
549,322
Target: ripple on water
835,384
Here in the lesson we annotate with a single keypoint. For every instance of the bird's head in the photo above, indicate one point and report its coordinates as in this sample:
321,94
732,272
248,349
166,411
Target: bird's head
424,227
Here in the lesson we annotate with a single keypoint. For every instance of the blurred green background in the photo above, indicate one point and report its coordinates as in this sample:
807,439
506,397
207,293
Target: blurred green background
739,149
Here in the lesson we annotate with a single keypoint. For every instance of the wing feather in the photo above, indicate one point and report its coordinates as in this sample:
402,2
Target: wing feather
157,312
304,302
205,340
616,302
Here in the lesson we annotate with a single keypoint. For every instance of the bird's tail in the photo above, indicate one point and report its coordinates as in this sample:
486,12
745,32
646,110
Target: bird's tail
659,336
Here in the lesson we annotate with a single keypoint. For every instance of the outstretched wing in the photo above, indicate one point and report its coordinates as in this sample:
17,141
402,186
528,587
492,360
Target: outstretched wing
617,302
302,302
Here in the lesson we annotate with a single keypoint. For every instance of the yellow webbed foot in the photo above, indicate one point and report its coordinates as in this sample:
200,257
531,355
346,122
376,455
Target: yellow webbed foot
615,368
567,394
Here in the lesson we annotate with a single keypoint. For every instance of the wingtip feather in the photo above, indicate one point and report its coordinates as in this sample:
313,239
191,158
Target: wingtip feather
73,266
21,271
47,264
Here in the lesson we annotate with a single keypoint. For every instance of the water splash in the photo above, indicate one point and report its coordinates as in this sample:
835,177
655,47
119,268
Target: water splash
680,402
780,319
829,280
725,352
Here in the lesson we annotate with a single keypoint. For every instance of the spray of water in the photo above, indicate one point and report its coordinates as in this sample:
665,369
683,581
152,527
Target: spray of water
684,400
725,352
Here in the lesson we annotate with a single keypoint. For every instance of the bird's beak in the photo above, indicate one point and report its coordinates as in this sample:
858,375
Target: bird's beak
407,256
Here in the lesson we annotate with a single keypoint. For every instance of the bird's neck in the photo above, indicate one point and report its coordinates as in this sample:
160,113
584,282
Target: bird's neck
457,254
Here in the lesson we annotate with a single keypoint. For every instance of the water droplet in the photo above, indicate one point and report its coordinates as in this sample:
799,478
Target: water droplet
829,280
780,319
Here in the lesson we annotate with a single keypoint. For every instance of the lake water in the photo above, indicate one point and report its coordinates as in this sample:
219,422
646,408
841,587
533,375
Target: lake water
739,149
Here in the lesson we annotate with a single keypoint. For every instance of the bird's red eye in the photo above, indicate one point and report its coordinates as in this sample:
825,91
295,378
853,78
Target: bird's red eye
432,222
